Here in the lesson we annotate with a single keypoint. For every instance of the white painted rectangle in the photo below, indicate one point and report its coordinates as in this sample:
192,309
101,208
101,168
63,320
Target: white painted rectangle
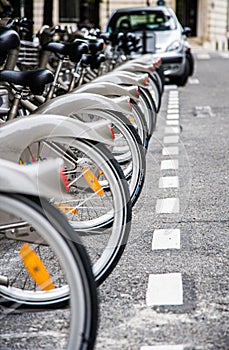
172,122
173,102
162,347
169,182
170,150
193,81
170,87
174,91
166,239
171,139
173,111
174,105
167,164
168,206
172,130
173,116
165,289
203,56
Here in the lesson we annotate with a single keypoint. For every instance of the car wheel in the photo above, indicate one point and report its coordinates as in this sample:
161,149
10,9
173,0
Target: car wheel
191,63
182,80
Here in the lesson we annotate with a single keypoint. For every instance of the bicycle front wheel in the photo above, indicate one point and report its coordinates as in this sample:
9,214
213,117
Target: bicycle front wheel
43,267
100,207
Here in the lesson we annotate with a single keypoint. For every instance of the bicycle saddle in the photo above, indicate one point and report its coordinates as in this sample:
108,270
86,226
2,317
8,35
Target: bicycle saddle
74,50
9,39
93,61
95,45
35,80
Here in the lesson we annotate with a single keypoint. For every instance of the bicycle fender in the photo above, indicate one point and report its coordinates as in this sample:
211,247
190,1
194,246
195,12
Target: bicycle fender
123,77
41,179
109,89
18,134
76,103
136,67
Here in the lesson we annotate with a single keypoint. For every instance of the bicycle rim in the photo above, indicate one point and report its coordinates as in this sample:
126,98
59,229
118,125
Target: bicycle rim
100,207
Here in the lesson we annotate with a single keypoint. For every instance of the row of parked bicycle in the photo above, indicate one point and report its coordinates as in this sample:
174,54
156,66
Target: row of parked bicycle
81,120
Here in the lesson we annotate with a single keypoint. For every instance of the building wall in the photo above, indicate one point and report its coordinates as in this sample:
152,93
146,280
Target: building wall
212,18
216,37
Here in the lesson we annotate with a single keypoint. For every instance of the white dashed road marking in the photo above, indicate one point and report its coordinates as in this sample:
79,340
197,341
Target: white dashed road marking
170,150
172,130
166,239
193,81
173,116
203,56
173,111
172,122
167,164
169,182
165,289
163,347
171,139
168,206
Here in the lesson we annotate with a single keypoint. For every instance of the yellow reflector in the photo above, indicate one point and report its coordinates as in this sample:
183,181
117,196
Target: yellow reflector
131,119
36,268
66,208
92,181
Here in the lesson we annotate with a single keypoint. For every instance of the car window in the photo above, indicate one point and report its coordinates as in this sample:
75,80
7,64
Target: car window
145,20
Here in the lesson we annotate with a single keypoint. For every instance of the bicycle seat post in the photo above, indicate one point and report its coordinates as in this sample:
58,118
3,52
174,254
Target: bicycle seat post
54,84
18,96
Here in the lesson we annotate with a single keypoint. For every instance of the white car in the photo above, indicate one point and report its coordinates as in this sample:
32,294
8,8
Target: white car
161,34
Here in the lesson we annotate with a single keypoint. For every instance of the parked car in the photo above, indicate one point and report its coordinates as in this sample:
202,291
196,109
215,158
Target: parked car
162,34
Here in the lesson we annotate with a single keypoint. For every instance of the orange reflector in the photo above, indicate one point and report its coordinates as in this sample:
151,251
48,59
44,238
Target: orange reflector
66,208
92,181
36,268
131,119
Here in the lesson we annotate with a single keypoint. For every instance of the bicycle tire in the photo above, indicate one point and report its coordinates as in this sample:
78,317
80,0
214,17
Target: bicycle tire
131,154
80,290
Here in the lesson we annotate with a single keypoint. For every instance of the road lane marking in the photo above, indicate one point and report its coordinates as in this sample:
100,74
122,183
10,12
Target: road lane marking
203,56
164,289
162,347
170,150
166,239
174,105
172,116
224,54
172,130
171,139
169,182
173,111
168,206
172,122
193,81
170,88
168,164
